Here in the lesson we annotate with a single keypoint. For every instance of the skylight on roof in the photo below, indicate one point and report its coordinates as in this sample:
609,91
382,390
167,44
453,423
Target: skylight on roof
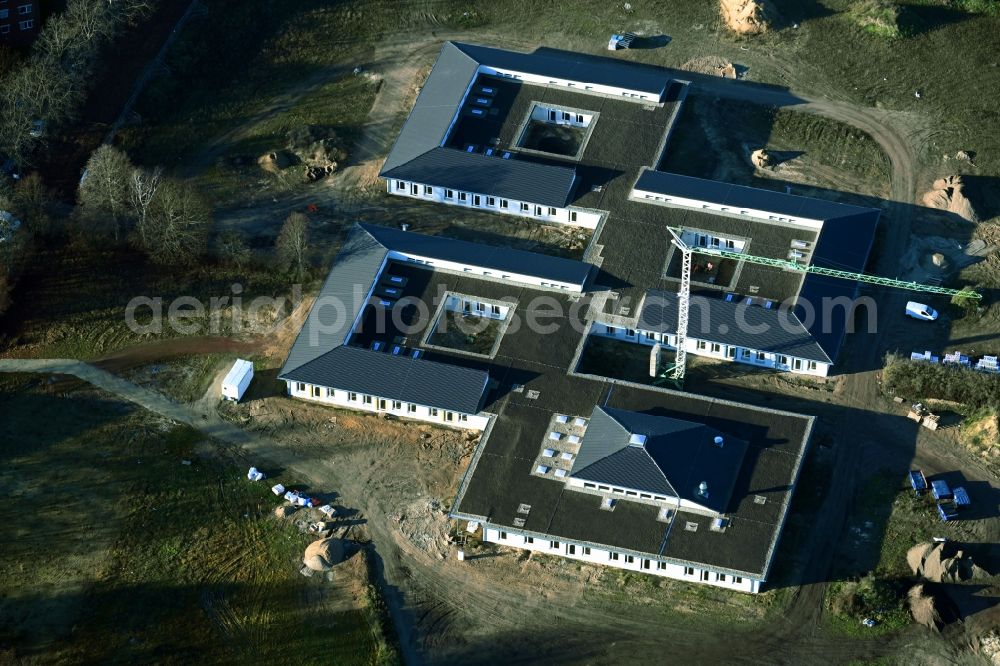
637,440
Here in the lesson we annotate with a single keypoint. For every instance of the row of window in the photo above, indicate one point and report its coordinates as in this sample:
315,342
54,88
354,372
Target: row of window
477,200
382,404
622,491
730,351
569,84
566,115
23,25
630,559
22,10
723,209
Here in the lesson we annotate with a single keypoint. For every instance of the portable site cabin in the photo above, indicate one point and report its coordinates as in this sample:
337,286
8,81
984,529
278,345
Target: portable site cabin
236,382
940,490
918,481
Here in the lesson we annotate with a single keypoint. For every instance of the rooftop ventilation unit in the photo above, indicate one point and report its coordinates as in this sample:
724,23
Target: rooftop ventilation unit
519,522
719,441
719,525
665,514
608,504
702,489
690,526
523,508
637,440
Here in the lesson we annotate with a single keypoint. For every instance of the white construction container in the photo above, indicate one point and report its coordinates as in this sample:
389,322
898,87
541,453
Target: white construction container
237,380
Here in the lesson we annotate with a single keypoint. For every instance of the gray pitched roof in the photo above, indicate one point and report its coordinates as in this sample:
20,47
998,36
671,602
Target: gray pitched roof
674,459
733,323
521,180
340,299
401,378
741,196
570,66
435,108
500,259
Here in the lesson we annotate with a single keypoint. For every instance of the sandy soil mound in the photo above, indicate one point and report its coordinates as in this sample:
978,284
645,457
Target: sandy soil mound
949,194
274,162
284,511
943,563
761,158
923,608
324,554
747,17
712,66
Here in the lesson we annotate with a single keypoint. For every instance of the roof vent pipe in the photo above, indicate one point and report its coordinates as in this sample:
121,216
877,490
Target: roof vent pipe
719,441
405,226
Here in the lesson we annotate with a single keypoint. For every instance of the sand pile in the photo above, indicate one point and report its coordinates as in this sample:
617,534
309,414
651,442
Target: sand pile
747,17
949,194
711,65
923,608
761,158
942,563
324,554
284,511
274,162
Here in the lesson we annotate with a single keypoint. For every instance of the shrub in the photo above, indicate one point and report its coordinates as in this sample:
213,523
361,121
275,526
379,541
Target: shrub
921,380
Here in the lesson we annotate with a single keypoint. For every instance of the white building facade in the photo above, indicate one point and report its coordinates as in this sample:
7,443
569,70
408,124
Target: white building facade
620,559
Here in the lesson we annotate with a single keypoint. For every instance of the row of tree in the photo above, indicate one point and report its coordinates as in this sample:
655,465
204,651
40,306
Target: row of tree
47,89
26,213
164,217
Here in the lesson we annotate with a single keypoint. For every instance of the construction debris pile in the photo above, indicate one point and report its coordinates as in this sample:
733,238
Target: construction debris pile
761,158
318,150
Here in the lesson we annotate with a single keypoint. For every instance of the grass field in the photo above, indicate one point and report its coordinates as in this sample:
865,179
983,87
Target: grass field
117,551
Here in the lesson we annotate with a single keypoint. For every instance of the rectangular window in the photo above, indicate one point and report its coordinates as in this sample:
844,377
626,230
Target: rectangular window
396,404
645,564
352,397
381,403
503,535
552,115
552,211
476,200
761,356
629,559
716,347
731,352
797,364
299,386
411,408
701,345
589,485
609,330
720,578
566,115
414,189
704,575
463,417
586,550
629,332
782,360
529,540
449,194
524,208
661,566
504,204
571,549
579,118
329,393
366,399
491,201
449,416
316,391
812,365
400,185
613,557
24,10
496,310
688,571
737,579
462,196
553,544
434,411
538,211
428,189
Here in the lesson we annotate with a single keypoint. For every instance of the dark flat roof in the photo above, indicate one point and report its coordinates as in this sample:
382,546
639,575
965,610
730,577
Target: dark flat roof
741,196
500,259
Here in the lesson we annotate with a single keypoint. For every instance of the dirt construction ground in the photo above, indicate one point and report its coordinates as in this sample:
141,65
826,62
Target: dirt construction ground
397,479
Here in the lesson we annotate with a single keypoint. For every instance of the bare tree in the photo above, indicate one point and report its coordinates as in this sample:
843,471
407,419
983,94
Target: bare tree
177,224
293,244
105,189
143,185
34,202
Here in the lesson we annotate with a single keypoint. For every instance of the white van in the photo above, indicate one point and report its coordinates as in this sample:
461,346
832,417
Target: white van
921,311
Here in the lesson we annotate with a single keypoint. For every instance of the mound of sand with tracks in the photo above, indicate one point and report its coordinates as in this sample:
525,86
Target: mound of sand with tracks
942,563
761,158
324,554
923,608
747,17
949,194
711,65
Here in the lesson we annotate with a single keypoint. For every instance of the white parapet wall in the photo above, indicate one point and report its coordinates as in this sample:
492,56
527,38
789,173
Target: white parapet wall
370,403
691,573
708,206
577,86
587,219
718,350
